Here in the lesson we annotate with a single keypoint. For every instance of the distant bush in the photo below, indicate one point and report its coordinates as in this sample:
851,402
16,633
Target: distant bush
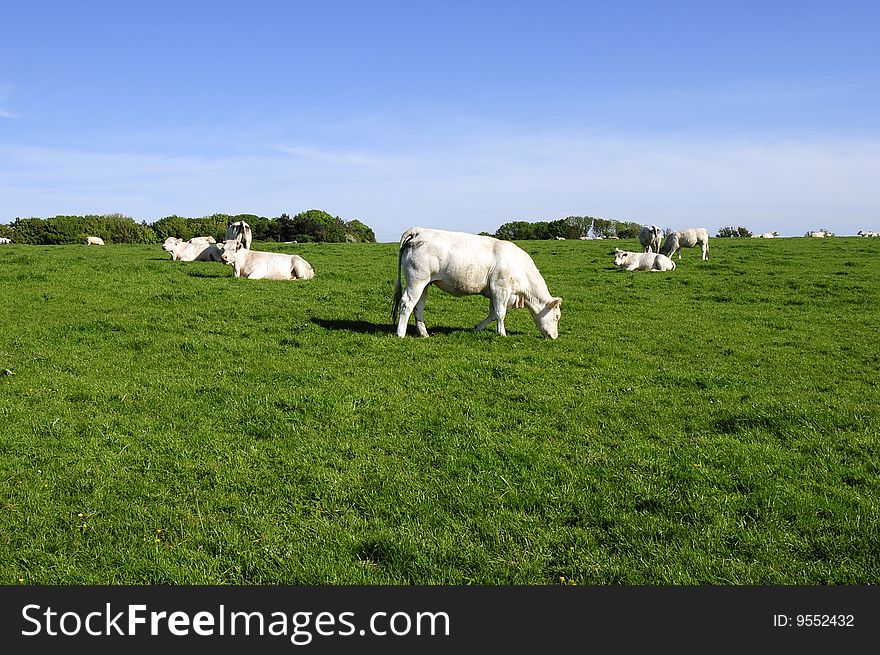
308,226
571,227
61,230
734,232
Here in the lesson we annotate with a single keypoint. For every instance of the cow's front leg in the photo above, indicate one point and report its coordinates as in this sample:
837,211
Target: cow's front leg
491,317
500,313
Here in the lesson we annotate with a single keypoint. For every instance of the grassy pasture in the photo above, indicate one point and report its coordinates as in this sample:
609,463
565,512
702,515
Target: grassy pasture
167,423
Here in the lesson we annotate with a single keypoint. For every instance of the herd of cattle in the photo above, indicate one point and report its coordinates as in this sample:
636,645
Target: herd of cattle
458,263
658,252
235,250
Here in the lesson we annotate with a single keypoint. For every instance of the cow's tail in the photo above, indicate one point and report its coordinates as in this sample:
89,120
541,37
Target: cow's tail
405,238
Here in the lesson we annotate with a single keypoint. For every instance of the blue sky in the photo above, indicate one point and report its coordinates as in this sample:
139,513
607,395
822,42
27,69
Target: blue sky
457,115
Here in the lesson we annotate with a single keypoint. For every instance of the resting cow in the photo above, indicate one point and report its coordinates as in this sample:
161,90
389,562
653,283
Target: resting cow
651,236
191,251
694,236
464,264
642,261
260,265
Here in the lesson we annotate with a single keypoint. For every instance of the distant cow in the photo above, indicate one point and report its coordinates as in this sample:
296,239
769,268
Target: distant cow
651,236
464,264
94,241
868,233
5,240
240,231
642,261
818,234
260,265
769,235
694,236
191,251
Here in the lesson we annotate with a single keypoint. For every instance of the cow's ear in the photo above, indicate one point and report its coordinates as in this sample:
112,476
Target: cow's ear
554,303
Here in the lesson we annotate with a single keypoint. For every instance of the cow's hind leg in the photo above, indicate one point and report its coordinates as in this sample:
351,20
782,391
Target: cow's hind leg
420,313
412,296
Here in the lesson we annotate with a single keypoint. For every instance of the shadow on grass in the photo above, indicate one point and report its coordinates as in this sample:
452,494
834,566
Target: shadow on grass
201,273
365,327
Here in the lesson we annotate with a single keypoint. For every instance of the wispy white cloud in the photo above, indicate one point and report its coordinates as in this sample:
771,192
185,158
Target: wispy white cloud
334,157
475,182
4,94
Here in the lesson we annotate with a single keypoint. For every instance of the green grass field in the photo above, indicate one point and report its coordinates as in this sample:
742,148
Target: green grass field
165,423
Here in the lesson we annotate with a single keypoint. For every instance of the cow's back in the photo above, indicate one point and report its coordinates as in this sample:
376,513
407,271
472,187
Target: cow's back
465,264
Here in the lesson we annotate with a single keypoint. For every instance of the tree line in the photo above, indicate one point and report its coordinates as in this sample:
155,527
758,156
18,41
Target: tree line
308,226
571,227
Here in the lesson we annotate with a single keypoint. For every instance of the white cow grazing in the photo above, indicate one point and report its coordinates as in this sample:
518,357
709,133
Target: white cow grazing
240,231
642,261
694,236
465,264
651,236
191,251
94,241
260,265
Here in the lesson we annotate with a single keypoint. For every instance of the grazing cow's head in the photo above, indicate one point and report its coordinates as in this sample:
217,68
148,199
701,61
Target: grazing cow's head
547,319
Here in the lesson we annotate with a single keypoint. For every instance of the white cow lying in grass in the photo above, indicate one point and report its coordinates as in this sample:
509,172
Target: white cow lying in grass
693,236
642,261
260,265
191,251
464,264
868,233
